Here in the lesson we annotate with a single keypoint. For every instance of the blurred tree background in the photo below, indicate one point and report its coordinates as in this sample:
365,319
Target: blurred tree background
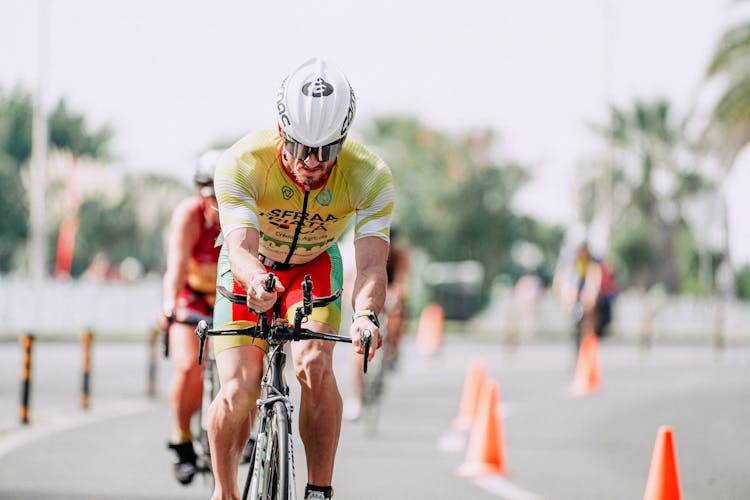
119,216
655,185
455,201
648,178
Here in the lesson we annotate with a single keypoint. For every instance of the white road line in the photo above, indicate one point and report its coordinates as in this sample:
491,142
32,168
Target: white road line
504,489
12,439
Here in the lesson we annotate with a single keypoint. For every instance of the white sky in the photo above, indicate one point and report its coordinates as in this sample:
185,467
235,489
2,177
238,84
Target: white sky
172,76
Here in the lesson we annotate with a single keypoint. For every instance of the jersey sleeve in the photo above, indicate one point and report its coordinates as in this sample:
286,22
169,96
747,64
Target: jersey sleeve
374,206
237,182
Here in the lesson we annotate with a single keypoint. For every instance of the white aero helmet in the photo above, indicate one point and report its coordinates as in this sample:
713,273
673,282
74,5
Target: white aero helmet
204,169
315,106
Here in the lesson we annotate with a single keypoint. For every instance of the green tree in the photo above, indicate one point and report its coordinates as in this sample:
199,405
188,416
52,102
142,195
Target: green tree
454,199
729,127
14,210
727,132
67,131
654,173
131,225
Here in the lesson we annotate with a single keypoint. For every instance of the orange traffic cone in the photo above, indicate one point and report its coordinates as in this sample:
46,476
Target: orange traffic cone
485,453
430,330
467,411
663,477
588,376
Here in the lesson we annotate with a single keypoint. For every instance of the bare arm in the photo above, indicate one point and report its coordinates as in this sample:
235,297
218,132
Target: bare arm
247,270
183,235
369,287
400,282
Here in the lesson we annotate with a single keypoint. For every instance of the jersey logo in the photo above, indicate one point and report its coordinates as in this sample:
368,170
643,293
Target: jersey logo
320,88
324,197
287,192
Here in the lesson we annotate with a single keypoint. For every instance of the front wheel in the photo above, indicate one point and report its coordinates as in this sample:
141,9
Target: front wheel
270,472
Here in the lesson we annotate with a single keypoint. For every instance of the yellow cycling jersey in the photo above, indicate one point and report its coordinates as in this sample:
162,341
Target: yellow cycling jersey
254,190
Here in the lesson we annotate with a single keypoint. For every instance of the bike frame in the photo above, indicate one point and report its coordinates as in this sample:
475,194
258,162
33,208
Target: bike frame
274,404
273,446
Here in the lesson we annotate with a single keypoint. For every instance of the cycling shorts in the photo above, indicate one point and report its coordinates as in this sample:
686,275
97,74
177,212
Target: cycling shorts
326,272
191,306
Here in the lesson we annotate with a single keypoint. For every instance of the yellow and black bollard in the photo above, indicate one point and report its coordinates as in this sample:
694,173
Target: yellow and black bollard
152,360
86,389
27,343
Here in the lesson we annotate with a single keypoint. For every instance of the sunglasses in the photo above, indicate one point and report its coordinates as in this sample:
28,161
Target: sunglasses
322,153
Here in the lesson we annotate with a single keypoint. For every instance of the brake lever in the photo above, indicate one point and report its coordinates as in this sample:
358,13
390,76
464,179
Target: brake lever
270,283
307,296
366,338
165,338
202,332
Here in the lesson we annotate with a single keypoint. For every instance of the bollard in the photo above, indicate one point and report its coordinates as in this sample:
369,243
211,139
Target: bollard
152,360
86,388
27,342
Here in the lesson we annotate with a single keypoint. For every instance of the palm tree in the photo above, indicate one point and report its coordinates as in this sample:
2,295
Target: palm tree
728,128
729,123
653,175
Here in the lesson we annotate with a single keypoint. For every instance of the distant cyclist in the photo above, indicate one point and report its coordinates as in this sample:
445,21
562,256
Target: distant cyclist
394,315
188,294
398,266
586,288
285,197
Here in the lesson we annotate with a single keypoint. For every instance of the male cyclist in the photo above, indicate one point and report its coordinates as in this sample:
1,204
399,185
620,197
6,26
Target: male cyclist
398,286
189,288
394,312
285,197
586,289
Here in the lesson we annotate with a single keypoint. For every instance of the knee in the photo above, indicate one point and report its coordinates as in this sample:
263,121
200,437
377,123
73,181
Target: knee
187,367
313,367
237,397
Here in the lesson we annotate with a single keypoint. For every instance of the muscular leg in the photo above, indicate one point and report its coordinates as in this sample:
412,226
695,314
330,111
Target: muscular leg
320,404
229,416
187,380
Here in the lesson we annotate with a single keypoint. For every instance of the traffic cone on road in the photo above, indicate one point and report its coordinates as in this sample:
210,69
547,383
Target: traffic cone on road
588,376
485,453
430,330
663,477
467,411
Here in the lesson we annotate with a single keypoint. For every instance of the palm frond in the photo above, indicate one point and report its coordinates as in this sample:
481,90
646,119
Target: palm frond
732,49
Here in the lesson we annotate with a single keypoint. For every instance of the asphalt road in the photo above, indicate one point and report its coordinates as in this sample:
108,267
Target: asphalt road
556,446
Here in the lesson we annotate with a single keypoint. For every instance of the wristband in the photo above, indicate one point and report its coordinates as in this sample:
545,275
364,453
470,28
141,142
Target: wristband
369,314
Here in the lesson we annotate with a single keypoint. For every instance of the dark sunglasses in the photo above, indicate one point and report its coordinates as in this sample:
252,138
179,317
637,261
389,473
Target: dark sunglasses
322,153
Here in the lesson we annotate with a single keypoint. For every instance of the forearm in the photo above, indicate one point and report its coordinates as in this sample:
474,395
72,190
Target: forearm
369,290
174,280
371,280
243,256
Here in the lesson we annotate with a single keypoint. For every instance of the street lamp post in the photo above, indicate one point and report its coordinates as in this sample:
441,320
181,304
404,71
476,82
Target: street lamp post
38,166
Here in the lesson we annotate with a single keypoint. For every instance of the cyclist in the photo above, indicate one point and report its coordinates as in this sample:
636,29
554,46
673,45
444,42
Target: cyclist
398,286
285,197
586,289
397,269
189,288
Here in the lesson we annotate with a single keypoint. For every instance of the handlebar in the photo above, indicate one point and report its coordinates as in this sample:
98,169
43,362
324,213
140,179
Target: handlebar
280,332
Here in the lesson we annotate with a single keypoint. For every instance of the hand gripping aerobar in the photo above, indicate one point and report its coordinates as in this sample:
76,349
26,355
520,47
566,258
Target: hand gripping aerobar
279,332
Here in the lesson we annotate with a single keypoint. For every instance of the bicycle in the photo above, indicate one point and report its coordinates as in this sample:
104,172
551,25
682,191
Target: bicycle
271,471
209,391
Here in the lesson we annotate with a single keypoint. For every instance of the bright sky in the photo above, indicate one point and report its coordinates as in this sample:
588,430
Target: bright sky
173,76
